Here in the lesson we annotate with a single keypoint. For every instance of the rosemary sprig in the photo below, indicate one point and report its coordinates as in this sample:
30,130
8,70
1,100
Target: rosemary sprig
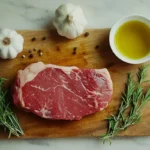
8,119
129,113
142,73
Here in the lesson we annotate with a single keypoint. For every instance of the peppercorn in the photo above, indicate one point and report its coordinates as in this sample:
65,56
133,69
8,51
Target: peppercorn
31,56
44,38
75,48
39,50
86,34
33,39
97,46
29,51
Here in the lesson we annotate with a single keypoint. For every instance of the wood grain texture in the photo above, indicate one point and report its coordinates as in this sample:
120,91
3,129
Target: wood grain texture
58,50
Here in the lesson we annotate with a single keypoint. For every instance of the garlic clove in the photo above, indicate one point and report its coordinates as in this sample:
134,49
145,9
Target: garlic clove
72,32
68,31
59,24
2,46
4,52
12,34
61,11
59,21
11,52
79,29
18,47
17,43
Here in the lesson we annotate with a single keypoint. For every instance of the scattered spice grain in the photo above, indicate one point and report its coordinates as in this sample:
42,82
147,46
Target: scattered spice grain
40,53
23,56
44,38
33,39
30,51
31,56
86,34
97,46
75,48
39,50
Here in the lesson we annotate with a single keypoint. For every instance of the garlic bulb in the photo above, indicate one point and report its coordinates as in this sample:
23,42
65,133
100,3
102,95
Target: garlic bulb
69,21
11,43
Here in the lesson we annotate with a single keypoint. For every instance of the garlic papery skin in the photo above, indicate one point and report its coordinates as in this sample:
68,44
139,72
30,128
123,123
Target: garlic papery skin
11,43
69,21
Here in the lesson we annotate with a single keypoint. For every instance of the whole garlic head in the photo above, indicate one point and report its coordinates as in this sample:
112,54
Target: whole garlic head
11,43
69,20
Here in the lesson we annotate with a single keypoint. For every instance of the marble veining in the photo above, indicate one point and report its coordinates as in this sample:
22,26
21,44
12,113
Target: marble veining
38,14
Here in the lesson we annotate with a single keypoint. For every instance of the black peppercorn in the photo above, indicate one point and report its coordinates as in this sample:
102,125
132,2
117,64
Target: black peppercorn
31,56
39,50
97,46
44,38
33,39
86,34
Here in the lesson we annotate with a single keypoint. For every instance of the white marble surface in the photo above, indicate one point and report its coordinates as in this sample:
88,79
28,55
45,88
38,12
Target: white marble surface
37,14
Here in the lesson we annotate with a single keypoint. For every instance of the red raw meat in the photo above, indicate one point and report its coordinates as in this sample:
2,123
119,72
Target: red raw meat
62,93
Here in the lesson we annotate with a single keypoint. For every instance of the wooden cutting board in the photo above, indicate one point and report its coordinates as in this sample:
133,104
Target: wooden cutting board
58,50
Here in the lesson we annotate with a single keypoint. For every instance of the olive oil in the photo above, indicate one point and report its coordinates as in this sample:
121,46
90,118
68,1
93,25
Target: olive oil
132,39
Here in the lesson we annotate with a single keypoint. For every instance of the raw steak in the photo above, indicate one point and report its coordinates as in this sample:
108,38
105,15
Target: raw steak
67,93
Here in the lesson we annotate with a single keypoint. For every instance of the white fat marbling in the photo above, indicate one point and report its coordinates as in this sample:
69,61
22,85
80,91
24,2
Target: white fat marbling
37,14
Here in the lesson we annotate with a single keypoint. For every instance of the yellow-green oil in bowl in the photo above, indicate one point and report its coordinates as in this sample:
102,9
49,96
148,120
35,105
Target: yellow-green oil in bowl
132,39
